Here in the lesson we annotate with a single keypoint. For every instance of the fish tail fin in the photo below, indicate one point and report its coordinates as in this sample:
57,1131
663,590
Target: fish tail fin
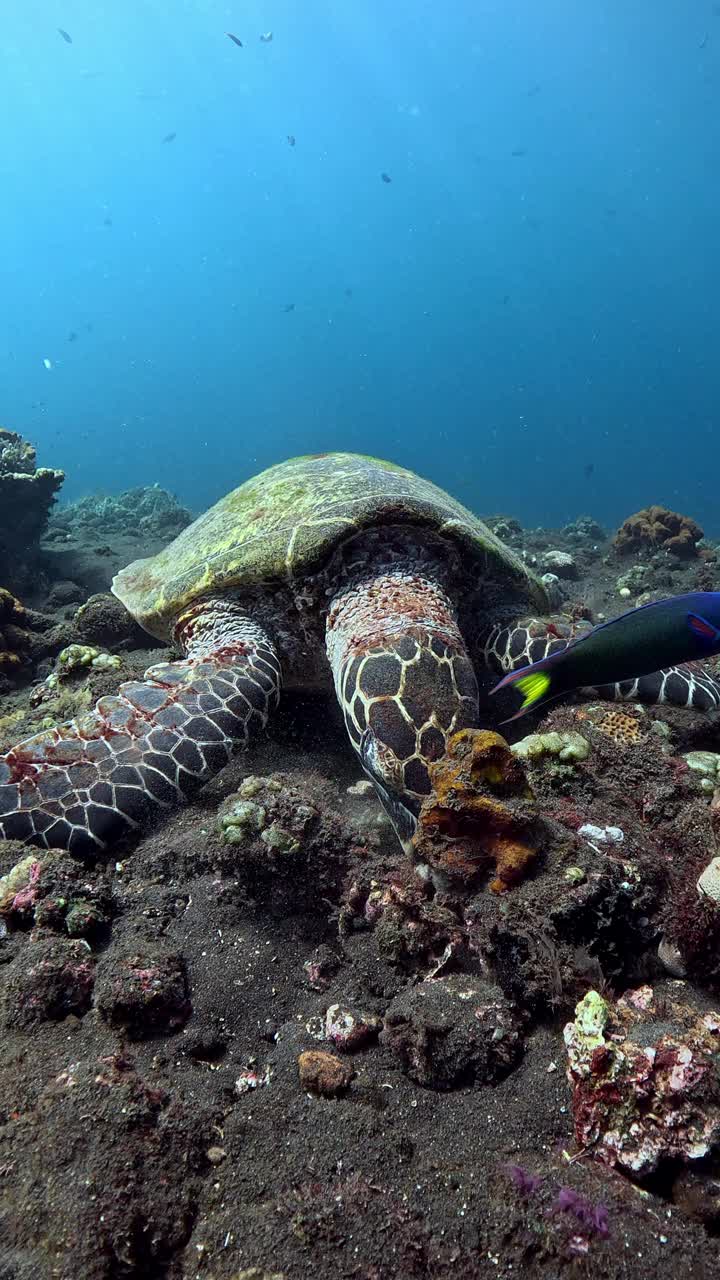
533,682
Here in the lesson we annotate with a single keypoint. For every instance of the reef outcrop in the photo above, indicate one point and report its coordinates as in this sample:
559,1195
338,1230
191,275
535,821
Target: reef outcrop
658,529
27,493
148,510
14,640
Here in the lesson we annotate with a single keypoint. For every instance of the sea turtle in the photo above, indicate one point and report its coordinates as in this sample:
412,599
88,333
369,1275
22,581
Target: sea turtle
332,566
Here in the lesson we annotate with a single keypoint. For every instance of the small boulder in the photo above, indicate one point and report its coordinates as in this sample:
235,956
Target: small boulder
454,1031
144,993
560,563
324,1073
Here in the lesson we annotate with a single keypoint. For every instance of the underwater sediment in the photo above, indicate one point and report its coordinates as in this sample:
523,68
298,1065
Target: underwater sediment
265,1045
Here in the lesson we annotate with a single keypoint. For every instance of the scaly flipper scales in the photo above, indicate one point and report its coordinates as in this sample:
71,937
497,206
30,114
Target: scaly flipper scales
84,784
404,681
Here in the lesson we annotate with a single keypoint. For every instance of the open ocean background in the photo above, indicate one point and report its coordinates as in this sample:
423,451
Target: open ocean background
528,312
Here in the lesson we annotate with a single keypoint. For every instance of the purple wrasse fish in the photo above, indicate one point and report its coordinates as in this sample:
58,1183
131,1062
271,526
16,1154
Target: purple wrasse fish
664,634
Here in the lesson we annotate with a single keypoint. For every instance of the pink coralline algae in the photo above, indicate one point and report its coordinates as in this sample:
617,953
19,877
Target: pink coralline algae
639,1101
19,888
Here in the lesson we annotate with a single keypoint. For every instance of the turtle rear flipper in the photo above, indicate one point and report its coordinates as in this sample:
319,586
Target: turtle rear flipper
149,747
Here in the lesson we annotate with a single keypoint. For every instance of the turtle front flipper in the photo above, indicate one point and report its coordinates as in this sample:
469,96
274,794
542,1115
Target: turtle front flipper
85,783
508,648
404,681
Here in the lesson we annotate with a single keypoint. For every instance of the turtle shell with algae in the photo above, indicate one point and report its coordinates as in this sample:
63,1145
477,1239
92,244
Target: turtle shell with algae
285,524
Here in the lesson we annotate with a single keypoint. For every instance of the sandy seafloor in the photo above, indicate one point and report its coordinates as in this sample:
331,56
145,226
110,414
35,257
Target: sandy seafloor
153,1122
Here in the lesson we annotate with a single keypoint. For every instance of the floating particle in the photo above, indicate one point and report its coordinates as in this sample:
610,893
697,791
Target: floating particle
170,137
386,177
65,35
266,37
235,39
47,363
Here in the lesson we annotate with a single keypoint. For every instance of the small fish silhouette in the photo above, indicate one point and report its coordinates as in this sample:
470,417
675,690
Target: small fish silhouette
235,39
266,37
518,151
588,470
386,177
291,139
72,336
107,222
170,137
65,35
289,306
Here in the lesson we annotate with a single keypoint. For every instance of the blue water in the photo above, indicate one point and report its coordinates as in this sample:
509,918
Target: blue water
536,289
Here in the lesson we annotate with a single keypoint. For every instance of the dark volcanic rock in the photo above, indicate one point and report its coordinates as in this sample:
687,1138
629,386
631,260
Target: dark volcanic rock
144,992
105,622
50,979
453,1031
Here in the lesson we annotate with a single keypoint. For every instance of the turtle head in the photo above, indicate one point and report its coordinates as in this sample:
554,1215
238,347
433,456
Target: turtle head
381,767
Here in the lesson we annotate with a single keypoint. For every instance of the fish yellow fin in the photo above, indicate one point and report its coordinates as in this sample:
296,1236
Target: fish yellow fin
533,687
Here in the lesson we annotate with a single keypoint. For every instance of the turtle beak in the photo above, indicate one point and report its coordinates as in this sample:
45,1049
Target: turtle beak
395,805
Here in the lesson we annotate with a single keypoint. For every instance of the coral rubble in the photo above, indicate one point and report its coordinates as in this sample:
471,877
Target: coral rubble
644,1077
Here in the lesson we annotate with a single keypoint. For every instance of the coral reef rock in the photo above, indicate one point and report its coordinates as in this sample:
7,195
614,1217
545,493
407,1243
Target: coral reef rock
644,1074
585,529
104,621
14,640
144,993
284,839
453,1032
147,510
53,979
657,529
560,563
27,493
